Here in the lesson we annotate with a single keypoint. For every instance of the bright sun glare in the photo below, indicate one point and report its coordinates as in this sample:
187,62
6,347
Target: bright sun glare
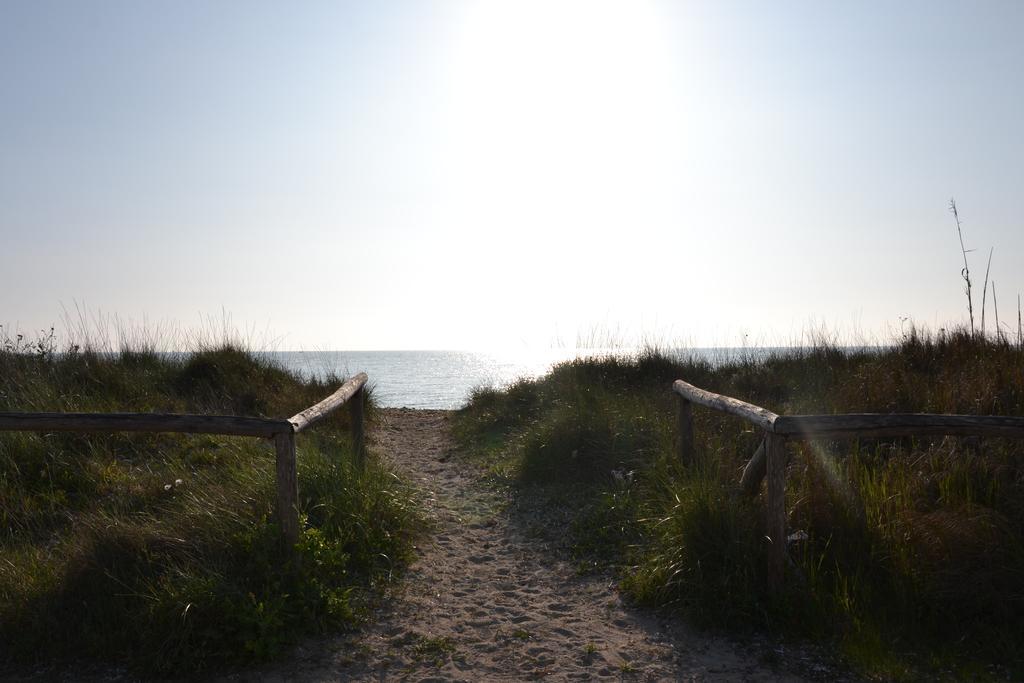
550,100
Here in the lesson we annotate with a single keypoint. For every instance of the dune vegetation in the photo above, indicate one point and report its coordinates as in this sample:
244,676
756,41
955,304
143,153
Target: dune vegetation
160,552
907,554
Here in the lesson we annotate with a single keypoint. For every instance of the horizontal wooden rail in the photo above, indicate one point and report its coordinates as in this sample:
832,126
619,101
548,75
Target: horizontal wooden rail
315,413
853,425
143,422
748,411
281,431
770,457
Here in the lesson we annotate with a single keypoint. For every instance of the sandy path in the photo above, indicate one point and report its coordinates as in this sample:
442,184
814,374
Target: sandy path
488,600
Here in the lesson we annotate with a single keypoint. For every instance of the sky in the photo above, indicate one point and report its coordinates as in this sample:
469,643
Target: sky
465,174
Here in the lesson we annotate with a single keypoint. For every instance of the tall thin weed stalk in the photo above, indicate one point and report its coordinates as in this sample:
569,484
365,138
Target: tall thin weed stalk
984,290
966,272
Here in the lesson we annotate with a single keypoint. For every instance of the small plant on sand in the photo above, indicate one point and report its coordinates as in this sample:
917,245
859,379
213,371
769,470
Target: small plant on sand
436,651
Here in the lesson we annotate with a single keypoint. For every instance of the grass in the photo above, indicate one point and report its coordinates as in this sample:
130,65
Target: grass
160,551
908,554
435,651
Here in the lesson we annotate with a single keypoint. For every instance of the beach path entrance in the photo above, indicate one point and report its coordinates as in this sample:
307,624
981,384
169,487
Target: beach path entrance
494,596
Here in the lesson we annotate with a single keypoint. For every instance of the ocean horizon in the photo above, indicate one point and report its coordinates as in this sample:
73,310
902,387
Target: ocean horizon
446,379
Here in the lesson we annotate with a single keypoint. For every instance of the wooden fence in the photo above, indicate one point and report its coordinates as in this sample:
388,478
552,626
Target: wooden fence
282,432
770,457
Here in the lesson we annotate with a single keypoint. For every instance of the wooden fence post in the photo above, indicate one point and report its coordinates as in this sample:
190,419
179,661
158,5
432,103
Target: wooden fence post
775,452
287,488
355,407
684,423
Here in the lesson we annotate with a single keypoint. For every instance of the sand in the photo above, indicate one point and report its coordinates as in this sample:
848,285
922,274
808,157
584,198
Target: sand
494,597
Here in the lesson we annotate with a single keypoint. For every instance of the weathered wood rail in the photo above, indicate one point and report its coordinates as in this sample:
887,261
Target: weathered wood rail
282,432
351,392
770,457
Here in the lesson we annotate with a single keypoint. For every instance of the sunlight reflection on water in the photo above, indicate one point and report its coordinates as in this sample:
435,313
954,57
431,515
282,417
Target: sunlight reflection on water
439,379
425,379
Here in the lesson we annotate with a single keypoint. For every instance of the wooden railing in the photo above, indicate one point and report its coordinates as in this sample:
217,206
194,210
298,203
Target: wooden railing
283,433
770,456
352,392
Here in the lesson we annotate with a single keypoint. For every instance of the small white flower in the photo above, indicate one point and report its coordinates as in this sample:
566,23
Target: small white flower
622,476
167,487
178,482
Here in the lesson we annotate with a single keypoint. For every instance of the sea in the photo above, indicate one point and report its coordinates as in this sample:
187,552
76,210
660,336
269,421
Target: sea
446,379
